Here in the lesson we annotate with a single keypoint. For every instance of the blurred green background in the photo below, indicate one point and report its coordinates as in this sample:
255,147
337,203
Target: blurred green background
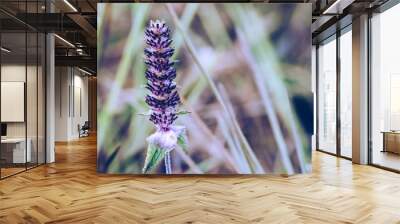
243,71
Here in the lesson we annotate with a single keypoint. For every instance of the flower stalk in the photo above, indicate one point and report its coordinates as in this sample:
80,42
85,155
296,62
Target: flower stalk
163,98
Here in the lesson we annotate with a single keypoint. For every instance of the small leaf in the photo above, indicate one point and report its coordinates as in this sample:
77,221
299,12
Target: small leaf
145,114
183,112
153,157
183,141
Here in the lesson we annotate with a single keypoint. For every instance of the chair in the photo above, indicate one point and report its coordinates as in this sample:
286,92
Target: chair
84,130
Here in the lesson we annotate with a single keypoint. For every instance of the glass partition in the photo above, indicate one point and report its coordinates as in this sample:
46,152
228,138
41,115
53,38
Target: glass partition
22,78
31,99
327,96
41,109
14,155
346,93
32,85
385,89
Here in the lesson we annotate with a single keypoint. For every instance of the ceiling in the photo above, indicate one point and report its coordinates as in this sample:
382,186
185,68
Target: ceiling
75,21
332,15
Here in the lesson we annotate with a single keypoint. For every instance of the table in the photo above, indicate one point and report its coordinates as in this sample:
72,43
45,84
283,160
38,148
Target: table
16,148
391,141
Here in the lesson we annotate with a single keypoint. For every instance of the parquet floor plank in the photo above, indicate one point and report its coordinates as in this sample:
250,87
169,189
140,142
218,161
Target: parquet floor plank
70,191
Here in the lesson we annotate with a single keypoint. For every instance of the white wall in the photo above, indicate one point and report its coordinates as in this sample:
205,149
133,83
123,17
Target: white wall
81,82
71,102
13,101
62,81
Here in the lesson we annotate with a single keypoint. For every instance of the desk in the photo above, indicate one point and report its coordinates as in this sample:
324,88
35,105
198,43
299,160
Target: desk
16,148
391,141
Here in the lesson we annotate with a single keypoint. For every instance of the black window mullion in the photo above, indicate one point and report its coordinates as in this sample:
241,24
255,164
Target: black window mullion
316,96
0,96
338,80
26,87
369,96
37,89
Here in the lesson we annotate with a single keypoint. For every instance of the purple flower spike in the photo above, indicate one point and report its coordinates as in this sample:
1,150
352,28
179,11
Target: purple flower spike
163,98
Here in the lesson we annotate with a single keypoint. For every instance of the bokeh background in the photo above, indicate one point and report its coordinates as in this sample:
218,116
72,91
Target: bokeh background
257,56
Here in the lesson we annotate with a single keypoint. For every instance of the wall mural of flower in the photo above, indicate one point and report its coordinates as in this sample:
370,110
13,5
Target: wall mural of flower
242,70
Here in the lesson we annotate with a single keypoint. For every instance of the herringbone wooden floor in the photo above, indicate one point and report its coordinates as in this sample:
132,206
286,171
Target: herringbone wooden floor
70,191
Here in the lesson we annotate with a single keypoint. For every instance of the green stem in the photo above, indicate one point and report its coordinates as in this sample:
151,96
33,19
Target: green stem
167,160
